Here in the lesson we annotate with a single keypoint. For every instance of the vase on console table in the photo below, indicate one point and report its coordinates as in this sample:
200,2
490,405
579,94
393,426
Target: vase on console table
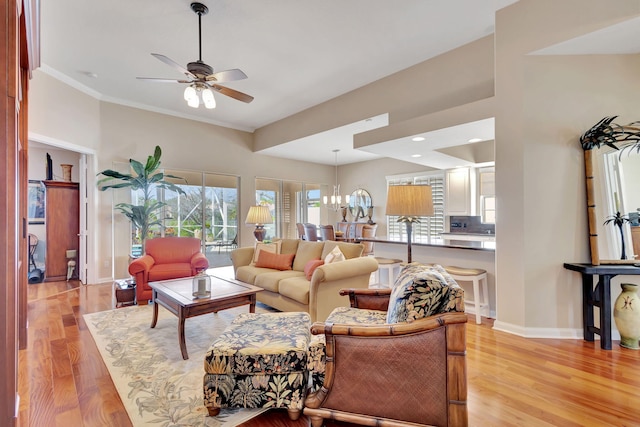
626,313
344,213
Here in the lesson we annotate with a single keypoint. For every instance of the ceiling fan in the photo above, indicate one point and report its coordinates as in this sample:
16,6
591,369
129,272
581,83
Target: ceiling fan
201,78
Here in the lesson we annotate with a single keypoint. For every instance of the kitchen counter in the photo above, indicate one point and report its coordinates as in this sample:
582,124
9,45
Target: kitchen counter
461,253
439,242
480,237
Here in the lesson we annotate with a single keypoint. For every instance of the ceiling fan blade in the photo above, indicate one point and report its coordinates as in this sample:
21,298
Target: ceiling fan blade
156,80
226,76
172,63
232,93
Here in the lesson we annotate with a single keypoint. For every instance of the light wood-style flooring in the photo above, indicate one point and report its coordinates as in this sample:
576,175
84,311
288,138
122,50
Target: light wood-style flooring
512,381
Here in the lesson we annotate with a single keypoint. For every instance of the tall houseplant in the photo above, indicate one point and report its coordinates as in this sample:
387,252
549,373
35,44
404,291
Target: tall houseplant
146,178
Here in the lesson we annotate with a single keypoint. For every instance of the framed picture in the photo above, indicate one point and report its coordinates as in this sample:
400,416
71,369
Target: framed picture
36,202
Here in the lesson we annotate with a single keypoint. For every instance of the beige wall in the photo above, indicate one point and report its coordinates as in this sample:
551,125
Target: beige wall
543,104
62,113
424,88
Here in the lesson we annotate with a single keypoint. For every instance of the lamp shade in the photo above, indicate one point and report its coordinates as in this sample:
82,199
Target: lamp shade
409,200
259,215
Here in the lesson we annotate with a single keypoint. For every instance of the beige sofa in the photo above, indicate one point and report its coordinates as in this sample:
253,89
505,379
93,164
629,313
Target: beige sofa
289,290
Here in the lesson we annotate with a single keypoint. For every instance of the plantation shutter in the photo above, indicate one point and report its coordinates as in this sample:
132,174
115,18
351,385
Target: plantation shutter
428,226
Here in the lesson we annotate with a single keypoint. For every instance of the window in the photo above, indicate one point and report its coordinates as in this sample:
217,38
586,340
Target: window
290,202
428,226
487,195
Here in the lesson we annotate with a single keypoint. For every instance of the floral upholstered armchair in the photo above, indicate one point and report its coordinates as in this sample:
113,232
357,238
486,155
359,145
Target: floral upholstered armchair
395,357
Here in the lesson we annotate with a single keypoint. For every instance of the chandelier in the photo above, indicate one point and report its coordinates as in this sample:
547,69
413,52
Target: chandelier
335,201
192,92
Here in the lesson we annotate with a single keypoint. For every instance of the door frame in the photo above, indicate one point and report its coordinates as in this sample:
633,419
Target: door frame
87,180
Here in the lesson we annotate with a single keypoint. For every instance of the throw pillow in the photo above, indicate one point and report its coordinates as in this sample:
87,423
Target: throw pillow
305,253
416,297
273,247
276,261
311,266
335,255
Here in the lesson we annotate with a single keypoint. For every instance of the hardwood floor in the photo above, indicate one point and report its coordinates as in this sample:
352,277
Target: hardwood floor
512,381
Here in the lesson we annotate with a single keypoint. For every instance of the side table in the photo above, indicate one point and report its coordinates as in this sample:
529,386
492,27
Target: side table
600,296
125,290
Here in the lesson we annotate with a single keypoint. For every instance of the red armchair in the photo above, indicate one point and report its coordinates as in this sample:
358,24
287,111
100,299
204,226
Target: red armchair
166,258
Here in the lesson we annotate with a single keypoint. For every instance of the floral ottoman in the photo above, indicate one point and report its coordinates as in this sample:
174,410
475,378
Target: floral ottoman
259,361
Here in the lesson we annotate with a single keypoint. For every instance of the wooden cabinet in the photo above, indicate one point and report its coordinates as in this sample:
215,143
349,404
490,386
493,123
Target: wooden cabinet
62,222
635,241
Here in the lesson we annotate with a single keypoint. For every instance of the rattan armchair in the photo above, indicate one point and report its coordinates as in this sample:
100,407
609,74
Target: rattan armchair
402,374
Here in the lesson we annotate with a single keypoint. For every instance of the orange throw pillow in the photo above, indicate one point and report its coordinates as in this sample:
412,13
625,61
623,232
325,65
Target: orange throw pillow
311,266
276,261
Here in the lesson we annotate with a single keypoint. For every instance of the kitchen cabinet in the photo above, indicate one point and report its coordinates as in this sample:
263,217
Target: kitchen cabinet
459,193
62,214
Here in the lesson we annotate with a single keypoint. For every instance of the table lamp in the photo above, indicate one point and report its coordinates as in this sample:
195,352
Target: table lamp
259,215
409,202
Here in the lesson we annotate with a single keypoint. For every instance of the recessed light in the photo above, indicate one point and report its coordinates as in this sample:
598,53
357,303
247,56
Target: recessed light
418,139
416,155
475,140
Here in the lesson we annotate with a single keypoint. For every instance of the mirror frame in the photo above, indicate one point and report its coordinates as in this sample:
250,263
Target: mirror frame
353,203
591,214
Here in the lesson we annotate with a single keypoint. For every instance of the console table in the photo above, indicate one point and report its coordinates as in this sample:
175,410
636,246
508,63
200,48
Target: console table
600,296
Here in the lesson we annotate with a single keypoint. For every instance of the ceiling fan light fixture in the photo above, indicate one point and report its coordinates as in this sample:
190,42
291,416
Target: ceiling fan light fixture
208,99
190,93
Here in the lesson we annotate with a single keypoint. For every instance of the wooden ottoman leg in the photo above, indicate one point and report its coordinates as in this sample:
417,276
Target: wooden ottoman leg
213,411
316,421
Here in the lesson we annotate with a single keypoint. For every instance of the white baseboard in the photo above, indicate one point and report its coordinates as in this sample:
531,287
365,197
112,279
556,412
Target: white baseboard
553,333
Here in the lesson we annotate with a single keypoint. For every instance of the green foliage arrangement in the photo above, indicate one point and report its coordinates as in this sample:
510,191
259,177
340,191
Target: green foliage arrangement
146,178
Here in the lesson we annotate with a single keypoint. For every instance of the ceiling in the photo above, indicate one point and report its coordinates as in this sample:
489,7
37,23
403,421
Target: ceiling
296,54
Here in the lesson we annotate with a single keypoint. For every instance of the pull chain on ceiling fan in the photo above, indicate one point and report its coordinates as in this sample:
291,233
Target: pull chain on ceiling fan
201,78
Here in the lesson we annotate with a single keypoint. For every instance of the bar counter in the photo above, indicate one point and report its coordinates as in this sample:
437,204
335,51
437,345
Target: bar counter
436,242
461,253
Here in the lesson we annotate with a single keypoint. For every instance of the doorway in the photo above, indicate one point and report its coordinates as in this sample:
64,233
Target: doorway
64,167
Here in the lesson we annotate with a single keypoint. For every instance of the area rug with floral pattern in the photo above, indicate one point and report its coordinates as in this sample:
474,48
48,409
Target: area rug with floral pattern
156,386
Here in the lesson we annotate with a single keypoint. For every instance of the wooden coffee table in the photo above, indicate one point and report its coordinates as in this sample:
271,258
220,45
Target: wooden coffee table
175,295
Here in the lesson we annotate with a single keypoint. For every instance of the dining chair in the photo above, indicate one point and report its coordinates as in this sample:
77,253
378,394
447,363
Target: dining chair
344,228
327,232
311,232
368,230
300,228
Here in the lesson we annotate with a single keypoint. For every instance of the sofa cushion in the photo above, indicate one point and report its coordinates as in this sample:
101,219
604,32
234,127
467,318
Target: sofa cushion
270,280
417,296
335,255
454,299
357,316
248,273
276,261
296,288
311,266
350,250
169,271
305,253
288,246
273,247
167,250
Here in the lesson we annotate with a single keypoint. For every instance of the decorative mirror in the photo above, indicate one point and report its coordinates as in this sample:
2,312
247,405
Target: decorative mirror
612,167
359,203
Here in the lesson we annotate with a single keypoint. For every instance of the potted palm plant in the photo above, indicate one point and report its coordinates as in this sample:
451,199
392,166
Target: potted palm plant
145,178
619,220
